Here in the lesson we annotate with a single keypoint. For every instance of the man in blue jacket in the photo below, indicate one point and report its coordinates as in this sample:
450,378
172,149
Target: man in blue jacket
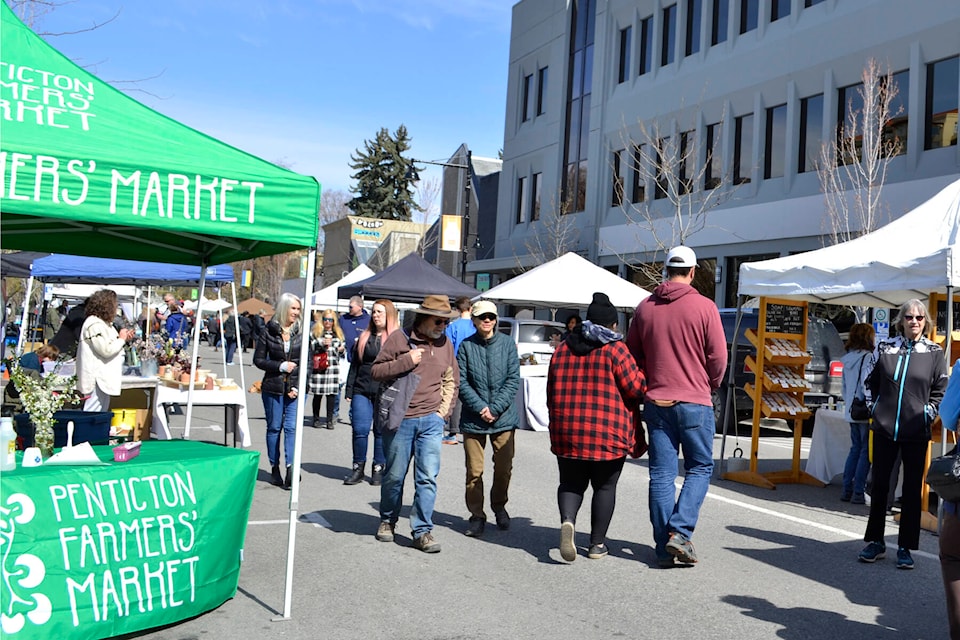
489,381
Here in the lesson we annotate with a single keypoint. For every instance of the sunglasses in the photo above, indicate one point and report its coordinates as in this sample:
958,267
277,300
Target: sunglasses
487,317
328,319
440,321
917,318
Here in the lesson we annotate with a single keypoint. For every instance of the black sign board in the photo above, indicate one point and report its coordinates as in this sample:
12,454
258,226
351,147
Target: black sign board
784,318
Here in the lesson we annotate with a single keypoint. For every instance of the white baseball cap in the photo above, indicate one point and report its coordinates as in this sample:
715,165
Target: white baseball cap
681,256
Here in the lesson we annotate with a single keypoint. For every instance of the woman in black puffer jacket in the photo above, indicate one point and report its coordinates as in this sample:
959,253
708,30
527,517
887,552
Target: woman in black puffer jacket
904,380
278,354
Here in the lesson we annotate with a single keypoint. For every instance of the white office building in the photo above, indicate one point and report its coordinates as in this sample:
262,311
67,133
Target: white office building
753,85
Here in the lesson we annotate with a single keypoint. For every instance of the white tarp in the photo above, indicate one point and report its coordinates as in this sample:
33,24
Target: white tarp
567,281
907,258
326,298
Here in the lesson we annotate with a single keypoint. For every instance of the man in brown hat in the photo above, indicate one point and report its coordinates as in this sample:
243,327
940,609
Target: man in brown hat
426,354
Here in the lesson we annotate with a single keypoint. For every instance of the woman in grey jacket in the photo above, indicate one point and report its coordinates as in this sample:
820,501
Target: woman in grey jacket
489,381
904,380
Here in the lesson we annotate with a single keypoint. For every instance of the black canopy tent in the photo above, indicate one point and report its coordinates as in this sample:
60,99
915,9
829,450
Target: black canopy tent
408,280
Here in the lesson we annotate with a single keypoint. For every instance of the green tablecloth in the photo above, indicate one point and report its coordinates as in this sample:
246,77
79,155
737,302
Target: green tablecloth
99,551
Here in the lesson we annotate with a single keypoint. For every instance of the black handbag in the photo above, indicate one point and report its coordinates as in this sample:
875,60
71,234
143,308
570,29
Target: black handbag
943,476
859,411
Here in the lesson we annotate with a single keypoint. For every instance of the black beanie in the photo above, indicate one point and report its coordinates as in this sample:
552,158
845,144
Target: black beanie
601,311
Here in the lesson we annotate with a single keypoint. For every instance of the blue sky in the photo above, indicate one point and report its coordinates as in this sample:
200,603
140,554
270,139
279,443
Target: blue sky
305,82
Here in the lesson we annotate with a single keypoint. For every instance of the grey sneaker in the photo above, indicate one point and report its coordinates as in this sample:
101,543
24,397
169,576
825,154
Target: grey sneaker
682,549
385,531
426,543
568,551
597,551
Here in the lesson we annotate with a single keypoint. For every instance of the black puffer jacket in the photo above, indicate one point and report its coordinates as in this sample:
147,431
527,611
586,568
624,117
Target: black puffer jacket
904,383
270,354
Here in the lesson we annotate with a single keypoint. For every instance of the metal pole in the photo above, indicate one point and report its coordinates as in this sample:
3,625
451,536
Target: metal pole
466,222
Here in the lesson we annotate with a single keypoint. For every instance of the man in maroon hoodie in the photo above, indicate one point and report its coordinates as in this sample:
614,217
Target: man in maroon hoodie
678,341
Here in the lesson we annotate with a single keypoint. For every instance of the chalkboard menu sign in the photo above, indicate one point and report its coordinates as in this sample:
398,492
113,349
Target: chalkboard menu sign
784,318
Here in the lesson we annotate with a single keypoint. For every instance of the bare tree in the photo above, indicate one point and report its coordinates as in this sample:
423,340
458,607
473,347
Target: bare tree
333,207
676,177
853,168
553,233
427,196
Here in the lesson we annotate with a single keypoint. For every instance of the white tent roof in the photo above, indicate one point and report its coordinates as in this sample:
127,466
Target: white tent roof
567,281
907,258
326,298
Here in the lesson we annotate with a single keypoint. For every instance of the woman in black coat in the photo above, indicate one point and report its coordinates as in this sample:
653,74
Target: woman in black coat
278,354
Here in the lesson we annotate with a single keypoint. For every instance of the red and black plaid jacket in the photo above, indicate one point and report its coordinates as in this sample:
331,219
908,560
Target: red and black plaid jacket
591,399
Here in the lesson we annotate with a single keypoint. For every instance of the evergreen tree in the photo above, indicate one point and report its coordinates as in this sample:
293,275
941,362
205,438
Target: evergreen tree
384,178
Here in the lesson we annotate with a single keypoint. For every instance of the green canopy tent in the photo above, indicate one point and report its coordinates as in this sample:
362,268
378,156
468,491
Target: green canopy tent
86,170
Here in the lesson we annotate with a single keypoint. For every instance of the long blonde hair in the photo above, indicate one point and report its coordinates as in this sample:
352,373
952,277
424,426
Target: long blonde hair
393,323
317,331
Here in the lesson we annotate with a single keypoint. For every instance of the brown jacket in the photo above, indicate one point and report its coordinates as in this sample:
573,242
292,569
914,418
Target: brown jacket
438,371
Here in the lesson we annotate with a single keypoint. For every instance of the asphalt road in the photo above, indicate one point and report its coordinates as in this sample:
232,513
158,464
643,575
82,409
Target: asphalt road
773,564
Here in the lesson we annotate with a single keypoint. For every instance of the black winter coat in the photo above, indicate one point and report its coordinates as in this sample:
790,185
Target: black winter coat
270,354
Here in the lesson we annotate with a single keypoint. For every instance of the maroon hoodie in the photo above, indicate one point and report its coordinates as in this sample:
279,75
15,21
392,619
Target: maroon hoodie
678,342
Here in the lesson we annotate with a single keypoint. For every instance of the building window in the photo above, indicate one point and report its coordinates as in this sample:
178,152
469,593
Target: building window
940,117
576,134
899,111
775,144
639,186
522,200
683,166
742,148
810,3
779,9
661,182
668,43
542,91
811,133
694,14
721,15
527,97
623,73
535,196
749,15
712,165
616,198
646,45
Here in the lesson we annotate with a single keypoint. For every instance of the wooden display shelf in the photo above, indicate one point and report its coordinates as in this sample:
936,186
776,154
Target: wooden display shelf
779,404
779,378
779,350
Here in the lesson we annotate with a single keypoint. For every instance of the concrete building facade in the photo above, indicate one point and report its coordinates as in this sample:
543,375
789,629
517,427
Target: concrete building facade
751,85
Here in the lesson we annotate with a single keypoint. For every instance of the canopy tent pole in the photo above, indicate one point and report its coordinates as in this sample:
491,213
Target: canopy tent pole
948,350
731,384
23,316
298,439
236,325
195,355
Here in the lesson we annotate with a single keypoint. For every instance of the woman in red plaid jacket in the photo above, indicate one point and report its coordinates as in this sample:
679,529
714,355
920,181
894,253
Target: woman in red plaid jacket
593,390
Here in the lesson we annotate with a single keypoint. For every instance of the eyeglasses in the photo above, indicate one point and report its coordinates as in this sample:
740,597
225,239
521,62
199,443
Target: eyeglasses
487,317
328,319
917,318
440,321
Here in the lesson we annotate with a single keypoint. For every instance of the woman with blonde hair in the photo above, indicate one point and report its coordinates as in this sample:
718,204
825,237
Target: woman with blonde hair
326,348
362,390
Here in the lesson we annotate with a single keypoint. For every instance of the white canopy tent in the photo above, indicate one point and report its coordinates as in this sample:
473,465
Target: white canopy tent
567,281
907,258
327,297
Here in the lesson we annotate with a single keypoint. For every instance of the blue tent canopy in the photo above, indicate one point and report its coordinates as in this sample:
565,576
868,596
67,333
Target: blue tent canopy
83,270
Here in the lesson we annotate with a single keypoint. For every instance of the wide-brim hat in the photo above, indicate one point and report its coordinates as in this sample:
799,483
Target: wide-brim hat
437,305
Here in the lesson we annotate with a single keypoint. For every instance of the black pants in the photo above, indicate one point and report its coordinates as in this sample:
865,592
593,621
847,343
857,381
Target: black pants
603,476
914,456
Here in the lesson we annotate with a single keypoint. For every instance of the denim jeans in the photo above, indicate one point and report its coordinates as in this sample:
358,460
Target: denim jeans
688,428
420,439
281,414
858,460
231,348
361,418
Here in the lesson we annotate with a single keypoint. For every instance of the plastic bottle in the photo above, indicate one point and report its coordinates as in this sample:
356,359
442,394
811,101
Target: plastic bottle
8,444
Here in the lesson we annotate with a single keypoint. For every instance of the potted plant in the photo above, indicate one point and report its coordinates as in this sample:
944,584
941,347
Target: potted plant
42,396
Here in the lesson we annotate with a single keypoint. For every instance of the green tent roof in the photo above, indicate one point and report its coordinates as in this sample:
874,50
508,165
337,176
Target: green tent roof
87,170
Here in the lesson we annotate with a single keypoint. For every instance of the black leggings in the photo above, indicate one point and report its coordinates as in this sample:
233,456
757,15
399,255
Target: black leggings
317,399
603,477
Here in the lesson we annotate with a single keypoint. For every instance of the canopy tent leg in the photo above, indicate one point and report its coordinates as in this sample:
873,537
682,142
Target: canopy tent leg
195,355
298,439
236,328
731,384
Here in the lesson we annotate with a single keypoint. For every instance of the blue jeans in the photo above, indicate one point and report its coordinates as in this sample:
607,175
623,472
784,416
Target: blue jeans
231,348
361,417
858,460
420,439
688,428
281,413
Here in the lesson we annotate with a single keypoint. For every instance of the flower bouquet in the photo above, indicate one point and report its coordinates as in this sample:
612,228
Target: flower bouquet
43,396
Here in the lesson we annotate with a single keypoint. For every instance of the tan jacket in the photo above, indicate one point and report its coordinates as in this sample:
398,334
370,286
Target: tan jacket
99,357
